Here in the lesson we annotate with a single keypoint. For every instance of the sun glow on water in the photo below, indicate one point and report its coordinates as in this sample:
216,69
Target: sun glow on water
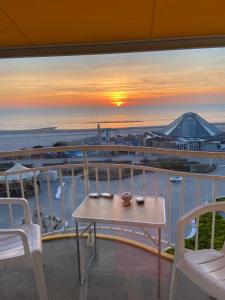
118,103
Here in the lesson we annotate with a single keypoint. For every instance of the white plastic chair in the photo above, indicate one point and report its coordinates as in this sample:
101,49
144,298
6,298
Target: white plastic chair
23,244
206,268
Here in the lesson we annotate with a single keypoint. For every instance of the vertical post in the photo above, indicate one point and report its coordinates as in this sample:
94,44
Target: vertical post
86,175
197,219
155,184
144,183
9,206
213,214
21,186
159,260
108,180
74,189
36,191
50,199
95,238
182,197
132,180
78,251
120,181
96,180
169,209
62,198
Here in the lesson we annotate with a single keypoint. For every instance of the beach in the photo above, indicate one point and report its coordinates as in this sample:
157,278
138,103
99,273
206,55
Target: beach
46,137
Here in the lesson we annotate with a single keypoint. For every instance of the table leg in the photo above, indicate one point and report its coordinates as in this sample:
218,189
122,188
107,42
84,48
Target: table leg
95,240
82,280
159,260
78,252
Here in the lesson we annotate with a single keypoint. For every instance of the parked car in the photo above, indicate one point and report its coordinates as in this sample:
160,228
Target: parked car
176,179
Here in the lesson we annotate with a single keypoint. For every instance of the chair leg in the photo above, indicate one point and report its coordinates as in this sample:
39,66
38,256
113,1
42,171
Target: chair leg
39,275
173,283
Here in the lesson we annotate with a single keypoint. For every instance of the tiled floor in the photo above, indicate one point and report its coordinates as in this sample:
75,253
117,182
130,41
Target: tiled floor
119,272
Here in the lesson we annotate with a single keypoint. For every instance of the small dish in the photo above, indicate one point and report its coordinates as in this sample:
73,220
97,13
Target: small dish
106,195
94,195
140,199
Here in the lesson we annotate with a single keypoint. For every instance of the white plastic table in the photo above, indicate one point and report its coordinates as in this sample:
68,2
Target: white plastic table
151,214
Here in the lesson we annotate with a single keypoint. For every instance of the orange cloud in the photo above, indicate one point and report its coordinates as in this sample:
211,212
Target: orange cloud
136,79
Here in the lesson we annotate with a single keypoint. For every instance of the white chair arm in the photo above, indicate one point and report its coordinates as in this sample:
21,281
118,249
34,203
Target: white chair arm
186,219
22,235
22,202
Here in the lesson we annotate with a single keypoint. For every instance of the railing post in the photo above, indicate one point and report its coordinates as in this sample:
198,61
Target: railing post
213,214
86,173
50,199
198,202
62,197
37,202
169,195
9,206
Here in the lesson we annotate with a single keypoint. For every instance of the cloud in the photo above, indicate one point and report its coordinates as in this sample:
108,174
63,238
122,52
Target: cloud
146,78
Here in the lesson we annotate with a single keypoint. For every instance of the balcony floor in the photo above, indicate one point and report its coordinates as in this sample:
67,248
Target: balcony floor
119,271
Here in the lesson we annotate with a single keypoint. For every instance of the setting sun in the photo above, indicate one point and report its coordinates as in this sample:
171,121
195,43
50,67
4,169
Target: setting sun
117,97
118,103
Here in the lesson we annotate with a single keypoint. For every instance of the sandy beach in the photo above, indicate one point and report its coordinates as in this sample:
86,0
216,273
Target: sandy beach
19,139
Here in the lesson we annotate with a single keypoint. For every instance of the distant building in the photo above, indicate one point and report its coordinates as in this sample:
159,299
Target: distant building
191,126
194,144
188,132
149,138
158,141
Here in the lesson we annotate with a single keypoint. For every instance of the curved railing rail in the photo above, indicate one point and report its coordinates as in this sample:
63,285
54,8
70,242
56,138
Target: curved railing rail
53,199
119,148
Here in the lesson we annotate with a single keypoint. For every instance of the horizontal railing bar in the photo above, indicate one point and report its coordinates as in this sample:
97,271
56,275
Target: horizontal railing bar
44,168
140,149
156,170
117,166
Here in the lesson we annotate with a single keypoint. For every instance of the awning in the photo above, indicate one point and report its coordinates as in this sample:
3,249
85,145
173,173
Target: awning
52,27
17,168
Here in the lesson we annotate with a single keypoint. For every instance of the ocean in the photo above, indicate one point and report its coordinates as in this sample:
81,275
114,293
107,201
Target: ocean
108,117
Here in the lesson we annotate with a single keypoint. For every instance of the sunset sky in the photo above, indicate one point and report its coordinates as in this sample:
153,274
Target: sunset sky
154,78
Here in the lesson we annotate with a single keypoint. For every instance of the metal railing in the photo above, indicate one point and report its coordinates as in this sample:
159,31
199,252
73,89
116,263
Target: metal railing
53,199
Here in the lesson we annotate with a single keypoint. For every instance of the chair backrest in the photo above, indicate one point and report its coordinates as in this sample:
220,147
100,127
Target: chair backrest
187,218
19,201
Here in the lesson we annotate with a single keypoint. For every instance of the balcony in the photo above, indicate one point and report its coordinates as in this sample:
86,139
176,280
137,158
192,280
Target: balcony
60,178
111,275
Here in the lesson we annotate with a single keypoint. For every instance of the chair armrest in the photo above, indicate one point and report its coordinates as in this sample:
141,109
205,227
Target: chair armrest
187,218
22,235
22,202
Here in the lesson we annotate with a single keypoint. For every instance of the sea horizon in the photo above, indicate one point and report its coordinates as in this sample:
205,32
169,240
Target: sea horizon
72,118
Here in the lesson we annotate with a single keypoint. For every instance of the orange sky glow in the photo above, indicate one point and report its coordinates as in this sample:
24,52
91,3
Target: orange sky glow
114,80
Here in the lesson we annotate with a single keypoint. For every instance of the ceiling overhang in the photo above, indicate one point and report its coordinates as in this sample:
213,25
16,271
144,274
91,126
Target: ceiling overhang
52,27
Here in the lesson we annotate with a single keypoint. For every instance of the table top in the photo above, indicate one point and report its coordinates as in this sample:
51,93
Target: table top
102,210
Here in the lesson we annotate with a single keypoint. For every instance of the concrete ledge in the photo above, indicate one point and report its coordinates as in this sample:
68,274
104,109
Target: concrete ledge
130,242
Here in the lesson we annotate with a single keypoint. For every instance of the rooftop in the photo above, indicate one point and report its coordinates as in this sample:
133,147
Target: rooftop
190,125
